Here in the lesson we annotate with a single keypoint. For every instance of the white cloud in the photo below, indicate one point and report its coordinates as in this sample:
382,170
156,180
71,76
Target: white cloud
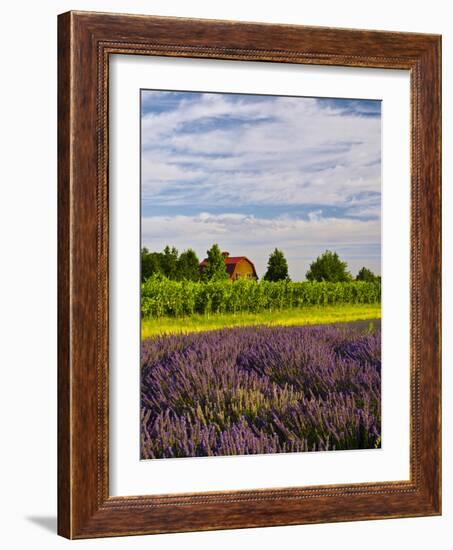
278,151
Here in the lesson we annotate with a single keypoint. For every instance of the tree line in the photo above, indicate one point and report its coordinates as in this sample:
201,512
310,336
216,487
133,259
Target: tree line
327,267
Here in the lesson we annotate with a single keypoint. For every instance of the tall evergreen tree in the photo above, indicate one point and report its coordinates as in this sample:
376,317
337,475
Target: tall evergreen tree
215,269
328,267
277,267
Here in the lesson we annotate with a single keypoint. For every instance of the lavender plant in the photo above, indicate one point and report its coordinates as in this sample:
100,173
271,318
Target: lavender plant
260,390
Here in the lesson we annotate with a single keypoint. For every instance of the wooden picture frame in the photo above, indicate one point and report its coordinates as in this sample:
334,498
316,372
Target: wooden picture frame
85,41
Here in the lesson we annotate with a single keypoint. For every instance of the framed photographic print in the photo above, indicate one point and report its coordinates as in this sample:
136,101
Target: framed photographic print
249,275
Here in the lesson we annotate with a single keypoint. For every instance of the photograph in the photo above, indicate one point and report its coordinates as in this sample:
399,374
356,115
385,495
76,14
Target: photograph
260,274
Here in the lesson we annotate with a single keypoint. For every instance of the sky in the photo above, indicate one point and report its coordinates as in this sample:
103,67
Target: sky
258,172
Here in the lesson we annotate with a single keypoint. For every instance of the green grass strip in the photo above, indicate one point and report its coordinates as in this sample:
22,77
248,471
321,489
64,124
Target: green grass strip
309,315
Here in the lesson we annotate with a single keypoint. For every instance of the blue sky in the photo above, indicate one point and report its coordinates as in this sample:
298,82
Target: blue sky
255,172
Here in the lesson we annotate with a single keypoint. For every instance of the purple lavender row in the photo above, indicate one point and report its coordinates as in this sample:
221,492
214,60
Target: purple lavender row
260,390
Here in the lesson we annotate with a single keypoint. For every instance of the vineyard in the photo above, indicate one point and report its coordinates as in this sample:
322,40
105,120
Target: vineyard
260,390
162,297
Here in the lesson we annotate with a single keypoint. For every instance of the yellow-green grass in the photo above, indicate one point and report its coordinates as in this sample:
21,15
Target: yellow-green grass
309,315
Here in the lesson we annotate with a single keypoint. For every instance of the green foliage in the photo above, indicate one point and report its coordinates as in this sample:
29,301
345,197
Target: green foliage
164,297
277,267
150,263
170,264
215,269
366,275
328,267
188,266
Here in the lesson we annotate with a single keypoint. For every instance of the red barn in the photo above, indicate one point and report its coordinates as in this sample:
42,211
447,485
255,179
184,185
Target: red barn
237,267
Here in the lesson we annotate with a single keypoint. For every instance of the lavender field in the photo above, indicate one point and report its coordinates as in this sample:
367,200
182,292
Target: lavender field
260,390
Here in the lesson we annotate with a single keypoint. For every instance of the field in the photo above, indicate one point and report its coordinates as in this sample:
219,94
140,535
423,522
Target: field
234,369
308,315
161,297
260,389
